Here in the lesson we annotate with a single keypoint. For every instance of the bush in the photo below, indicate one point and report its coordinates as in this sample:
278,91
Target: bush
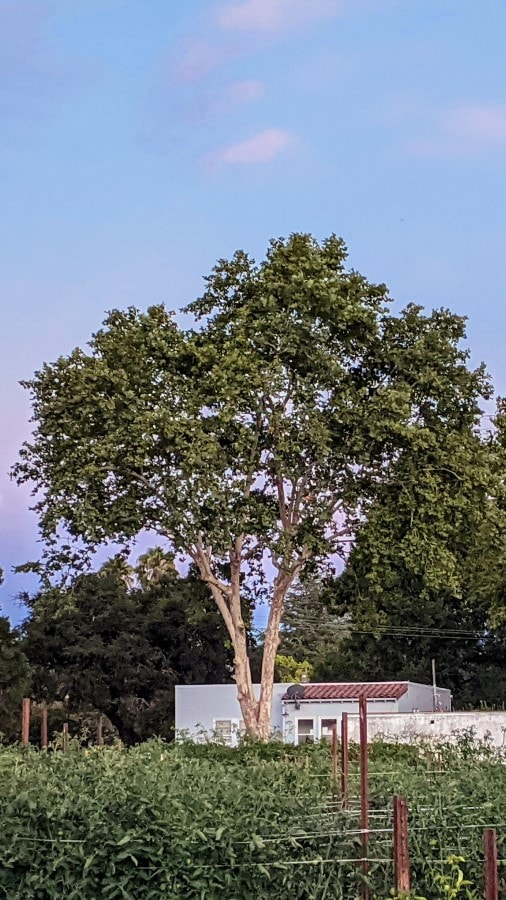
189,821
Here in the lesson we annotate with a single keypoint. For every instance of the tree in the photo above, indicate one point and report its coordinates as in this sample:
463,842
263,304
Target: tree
255,442
154,566
290,669
309,625
411,601
121,651
14,680
120,569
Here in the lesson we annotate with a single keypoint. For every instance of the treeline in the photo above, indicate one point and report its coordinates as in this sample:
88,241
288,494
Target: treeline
114,642
117,641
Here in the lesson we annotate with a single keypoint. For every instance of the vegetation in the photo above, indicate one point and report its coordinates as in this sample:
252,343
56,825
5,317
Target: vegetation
119,641
196,821
264,437
14,679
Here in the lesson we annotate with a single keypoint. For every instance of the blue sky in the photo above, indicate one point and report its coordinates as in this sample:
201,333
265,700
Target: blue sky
140,141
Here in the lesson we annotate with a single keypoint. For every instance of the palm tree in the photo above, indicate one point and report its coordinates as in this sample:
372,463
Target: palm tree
154,566
119,568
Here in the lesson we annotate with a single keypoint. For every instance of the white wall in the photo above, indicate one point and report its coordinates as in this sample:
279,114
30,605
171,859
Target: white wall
421,697
198,705
326,709
406,727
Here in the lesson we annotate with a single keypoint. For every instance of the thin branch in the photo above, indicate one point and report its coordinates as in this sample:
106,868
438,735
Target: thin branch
285,521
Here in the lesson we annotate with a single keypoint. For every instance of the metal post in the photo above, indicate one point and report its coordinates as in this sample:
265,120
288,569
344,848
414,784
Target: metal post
344,759
100,732
491,870
65,736
401,847
364,791
43,728
434,686
334,761
25,722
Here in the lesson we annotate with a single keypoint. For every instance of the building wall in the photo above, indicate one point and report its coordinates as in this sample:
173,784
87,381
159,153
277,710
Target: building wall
421,697
406,727
325,709
198,705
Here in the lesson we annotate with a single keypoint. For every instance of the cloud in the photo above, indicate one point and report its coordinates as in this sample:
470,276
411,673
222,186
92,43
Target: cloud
483,124
240,93
273,15
262,148
465,130
199,59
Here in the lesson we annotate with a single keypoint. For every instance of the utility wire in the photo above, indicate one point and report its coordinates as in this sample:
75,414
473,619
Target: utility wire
413,631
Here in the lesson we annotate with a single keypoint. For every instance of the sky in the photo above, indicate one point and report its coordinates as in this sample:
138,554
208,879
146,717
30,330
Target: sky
141,141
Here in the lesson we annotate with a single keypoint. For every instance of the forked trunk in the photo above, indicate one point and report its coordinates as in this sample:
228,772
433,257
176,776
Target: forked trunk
256,713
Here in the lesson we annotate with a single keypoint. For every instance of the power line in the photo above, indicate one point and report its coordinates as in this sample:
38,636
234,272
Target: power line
400,630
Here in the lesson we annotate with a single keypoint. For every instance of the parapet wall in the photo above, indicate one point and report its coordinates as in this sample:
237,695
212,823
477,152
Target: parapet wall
406,727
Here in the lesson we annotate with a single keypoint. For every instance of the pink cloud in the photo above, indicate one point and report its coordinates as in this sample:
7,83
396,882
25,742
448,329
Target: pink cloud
273,15
465,130
199,59
485,124
241,92
262,148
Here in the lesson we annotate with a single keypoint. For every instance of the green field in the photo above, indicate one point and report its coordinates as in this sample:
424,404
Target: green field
260,822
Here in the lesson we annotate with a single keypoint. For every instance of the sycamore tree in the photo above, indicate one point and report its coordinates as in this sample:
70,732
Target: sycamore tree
254,442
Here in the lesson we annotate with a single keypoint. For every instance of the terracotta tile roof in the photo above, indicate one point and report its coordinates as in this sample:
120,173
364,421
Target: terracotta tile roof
373,690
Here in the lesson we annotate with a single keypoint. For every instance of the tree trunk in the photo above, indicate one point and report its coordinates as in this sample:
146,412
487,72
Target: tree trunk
256,714
271,644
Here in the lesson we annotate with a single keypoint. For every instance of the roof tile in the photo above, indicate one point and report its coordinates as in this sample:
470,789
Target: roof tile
373,690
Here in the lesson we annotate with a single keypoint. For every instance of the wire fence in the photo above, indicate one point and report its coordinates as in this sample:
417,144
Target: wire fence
371,836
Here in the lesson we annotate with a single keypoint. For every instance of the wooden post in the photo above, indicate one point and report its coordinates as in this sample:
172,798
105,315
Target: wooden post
65,736
401,846
344,759
43,728
25,722
491,870
364,791
334,761
100,731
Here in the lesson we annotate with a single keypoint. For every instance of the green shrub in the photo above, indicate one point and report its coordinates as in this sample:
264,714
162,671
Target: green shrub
204,821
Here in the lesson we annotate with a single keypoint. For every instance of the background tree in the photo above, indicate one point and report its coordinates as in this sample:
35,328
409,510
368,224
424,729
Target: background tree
257,441
290,669
310,627
121,651
411,601
14,680
154,566
120,569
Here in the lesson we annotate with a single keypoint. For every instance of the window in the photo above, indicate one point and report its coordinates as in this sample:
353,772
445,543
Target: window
223,730
229,730
305,731
326,728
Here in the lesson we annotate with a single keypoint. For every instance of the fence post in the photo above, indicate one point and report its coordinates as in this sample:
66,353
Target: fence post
25,722
401,846
344,759
100,732
491,870
364,792
43,728
334,761
65,736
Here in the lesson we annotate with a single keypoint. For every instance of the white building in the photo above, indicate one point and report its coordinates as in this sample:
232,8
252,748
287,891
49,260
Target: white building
300,713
